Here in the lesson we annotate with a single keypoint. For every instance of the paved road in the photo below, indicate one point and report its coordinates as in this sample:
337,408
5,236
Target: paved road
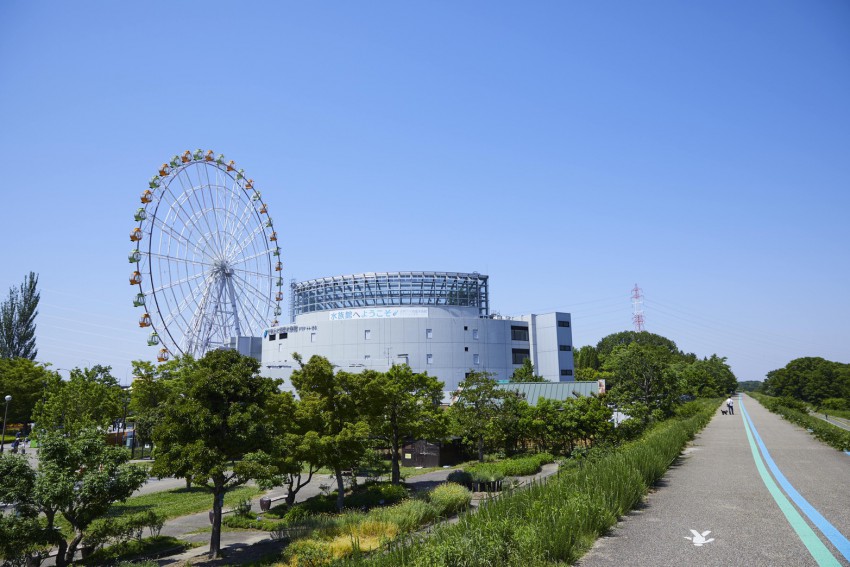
717,486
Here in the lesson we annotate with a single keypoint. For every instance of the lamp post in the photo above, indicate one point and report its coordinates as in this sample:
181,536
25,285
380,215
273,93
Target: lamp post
5,413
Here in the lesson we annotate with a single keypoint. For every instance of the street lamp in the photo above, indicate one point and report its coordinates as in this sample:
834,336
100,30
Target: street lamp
5,413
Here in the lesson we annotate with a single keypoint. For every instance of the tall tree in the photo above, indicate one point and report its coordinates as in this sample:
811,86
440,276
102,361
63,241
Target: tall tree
216,427
639,378
586,357
525,373
339,405
476,404
17,320
78,478
404,405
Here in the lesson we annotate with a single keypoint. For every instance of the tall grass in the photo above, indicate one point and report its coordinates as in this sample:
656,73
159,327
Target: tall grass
557,520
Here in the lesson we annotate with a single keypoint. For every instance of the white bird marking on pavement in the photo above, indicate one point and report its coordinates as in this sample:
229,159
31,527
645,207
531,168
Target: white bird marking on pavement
699,538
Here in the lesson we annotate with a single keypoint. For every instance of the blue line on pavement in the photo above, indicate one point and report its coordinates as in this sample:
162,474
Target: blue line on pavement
835,537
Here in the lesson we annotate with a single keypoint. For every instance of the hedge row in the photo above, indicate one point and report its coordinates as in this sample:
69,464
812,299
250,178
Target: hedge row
791,410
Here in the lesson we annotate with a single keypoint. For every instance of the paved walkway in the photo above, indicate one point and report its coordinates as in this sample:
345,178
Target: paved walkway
716,506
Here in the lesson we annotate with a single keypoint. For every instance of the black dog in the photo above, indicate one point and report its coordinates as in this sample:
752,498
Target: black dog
724,412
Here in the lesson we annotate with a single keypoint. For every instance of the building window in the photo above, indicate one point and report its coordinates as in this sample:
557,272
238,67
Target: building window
474,334
272,337
476,360
367,335
519,333
429,333
566,372
563,323
465,328
466,349
312,337
520,354
367,356
284,335
566,348
429,359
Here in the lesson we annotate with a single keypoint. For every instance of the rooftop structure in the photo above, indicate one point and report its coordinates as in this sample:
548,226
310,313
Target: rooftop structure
384,289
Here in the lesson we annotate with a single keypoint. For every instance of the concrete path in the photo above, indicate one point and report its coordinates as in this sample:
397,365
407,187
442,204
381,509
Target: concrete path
717,490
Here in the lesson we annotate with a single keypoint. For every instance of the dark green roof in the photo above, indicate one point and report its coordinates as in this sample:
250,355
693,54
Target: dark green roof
552,390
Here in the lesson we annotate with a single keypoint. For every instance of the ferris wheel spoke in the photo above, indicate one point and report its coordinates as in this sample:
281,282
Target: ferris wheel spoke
180,211
245,243
240,226
177,283
258,293
169,258
191,192
170,232
260,254
249,272
190,299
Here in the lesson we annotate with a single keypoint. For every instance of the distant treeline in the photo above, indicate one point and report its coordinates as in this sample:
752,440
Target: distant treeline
814,380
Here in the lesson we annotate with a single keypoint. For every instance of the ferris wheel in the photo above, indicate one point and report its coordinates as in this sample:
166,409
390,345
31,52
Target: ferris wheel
207,259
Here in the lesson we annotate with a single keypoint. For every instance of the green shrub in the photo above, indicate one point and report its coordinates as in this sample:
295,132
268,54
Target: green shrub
486,472
365,496
460,477
408,515
450,498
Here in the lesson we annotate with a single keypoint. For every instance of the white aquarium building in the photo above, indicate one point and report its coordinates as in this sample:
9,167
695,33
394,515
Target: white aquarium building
439,322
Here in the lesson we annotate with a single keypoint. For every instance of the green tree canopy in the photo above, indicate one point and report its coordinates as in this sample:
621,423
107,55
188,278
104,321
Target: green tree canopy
27,382
606,345
338,405
476,405
587,357
216,427
525,373
78,478
403,404
810,379
17,320
640,379
91,398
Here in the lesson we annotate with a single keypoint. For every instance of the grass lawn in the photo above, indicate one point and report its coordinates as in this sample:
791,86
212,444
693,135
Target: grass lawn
180,501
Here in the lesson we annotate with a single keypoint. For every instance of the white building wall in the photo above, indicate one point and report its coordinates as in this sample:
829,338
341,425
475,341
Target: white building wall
459,342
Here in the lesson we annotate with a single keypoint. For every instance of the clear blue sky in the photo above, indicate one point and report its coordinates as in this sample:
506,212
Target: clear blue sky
567,149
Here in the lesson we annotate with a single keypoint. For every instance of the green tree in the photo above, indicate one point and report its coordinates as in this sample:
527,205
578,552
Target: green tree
606,345
23,538
403,404
17,320
525,373
216,427
639,379
512,425
338,403
810,379
586,357
27,382
475,407
295,453
78,478
91,397
153,385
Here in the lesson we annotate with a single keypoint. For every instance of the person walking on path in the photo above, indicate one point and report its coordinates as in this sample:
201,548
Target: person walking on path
730,406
